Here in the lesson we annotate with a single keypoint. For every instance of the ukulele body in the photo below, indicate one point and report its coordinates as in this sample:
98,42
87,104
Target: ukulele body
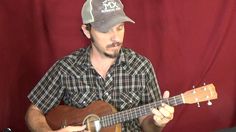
63,115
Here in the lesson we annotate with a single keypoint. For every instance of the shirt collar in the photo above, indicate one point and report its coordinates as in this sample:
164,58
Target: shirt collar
121,58
84,60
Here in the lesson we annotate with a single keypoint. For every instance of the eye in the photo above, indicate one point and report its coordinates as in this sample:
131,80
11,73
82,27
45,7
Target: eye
120,27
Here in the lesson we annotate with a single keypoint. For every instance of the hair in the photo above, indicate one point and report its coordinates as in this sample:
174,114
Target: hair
88,26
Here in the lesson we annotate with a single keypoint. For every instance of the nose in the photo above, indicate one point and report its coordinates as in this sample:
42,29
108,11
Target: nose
115,36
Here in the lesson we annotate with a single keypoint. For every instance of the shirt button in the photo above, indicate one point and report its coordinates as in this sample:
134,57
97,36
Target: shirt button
84,102
106,93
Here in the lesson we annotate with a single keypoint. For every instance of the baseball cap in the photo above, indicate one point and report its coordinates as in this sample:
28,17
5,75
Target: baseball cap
104,14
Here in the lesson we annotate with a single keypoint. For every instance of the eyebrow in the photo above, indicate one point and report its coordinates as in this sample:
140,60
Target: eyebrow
122,24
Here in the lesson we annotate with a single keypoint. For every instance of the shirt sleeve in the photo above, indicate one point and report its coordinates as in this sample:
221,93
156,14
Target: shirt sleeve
48,92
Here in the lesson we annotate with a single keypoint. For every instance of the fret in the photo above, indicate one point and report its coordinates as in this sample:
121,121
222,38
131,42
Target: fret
159,103
172,101
103,121
120,117
175,100
139,113
168,102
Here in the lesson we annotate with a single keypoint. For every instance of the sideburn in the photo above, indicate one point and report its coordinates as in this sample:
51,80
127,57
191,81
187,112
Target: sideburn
91,37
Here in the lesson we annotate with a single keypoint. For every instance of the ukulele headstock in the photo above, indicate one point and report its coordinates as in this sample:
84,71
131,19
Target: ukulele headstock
200,94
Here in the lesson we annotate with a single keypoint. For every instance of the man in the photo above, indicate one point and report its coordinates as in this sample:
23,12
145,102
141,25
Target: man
102,71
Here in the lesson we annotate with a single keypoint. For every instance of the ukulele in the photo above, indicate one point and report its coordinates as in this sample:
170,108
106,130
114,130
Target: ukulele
101,116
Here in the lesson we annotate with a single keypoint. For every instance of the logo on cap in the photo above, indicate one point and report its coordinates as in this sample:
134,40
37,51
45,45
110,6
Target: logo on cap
109,6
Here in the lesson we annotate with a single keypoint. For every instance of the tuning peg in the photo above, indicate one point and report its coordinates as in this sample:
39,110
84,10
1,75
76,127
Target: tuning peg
205,88
194,89
209,103
198,104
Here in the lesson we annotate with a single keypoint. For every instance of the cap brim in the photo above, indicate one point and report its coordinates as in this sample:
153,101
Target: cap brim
104,26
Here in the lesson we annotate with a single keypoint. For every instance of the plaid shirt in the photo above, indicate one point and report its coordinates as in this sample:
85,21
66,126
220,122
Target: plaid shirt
129,83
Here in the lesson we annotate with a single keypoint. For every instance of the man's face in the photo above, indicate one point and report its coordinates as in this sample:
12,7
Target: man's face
108,44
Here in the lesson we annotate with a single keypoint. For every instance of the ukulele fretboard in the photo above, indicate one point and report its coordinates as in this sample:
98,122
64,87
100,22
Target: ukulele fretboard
130,114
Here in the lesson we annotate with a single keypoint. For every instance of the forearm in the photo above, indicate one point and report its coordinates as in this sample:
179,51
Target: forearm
36,120
149,126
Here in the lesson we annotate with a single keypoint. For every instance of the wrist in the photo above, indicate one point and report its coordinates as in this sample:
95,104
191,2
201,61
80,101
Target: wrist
149,125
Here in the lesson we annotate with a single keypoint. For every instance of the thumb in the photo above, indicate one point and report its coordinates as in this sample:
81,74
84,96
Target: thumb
166,94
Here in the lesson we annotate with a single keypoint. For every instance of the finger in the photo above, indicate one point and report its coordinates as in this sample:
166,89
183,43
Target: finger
169,108
157,118
76,128
166,94
161,122
157,113
166,111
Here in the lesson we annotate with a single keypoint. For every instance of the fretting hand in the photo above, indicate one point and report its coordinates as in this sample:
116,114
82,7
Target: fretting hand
164,113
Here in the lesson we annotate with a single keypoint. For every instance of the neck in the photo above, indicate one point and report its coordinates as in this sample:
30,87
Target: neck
101,63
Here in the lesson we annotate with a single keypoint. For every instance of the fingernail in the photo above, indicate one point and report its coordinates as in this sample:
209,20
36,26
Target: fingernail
152,109
162,104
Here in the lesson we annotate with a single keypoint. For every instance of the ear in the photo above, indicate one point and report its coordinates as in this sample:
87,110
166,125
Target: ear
86,32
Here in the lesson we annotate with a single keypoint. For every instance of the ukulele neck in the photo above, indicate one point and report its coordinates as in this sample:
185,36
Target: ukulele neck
130,114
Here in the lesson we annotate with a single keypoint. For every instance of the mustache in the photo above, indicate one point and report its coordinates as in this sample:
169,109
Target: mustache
114,44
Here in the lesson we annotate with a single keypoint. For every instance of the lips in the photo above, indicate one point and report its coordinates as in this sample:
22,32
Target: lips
116,44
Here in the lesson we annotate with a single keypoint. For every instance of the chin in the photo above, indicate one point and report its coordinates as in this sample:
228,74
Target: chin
114,55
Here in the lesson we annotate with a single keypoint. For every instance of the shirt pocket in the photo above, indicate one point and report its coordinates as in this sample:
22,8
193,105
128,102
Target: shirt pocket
83,98
79,92
130,92
129,99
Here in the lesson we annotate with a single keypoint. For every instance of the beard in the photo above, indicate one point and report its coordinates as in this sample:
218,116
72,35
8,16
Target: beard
115,52
111,55
114,55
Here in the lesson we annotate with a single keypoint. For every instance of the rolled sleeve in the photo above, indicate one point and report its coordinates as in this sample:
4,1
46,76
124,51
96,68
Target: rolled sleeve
48,92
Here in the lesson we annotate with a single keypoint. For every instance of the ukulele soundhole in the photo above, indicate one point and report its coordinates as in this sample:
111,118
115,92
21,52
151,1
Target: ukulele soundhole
92,122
